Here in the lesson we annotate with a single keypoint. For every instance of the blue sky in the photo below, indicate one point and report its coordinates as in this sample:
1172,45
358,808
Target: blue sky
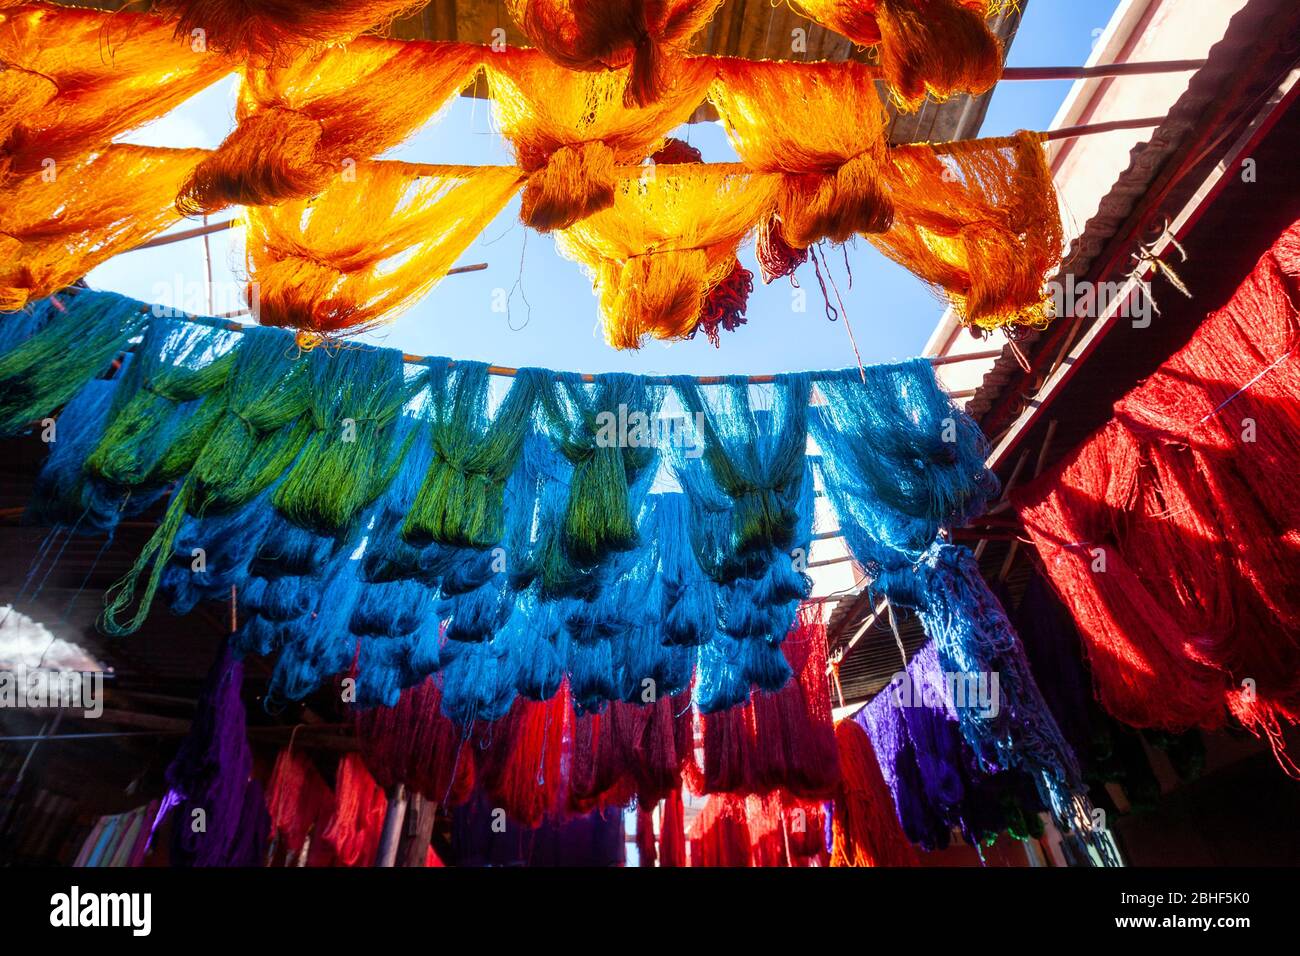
891,312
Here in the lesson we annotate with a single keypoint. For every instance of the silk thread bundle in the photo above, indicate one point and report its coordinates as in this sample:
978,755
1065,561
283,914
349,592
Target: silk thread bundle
355,828
269,32
934,47
570,130
666,242
72,80
370,245
750,496
672,831
866,829
212,773
300,804
416,745
522,770
933,776
972,636
789,122
461,502
601,582
305,124
606,34
899,461
57,226
1169,652
41,373
980,221
782,739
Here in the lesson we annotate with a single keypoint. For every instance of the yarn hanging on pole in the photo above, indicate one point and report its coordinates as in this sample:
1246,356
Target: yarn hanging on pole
369,246
641,35
305,124
73,80
1167,532
272,32
570,130
786,121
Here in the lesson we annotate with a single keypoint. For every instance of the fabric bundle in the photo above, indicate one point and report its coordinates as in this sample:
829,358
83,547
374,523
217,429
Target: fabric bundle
790,122
980,221
369,246
56,226
866,830
72,80
570,130
666,242
935,47
306,123
602,35
1170,534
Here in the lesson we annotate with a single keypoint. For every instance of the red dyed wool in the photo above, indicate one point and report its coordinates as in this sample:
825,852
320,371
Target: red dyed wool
522,770
413,743
784,740
359,810
301,804
1185,499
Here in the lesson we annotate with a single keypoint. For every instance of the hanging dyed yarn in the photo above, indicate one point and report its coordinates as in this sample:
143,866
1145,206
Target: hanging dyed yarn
866,830
355,828
212,774
57,226
668,240
980,221
931,773
370,245
791,122
391,520
308,122
301,805
72,80
271,31
935,47
1172,539
570,130
414,744
778,740
611,34
41,373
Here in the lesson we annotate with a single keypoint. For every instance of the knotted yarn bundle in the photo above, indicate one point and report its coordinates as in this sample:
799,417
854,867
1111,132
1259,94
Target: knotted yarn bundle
790,122
570,130
980,221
